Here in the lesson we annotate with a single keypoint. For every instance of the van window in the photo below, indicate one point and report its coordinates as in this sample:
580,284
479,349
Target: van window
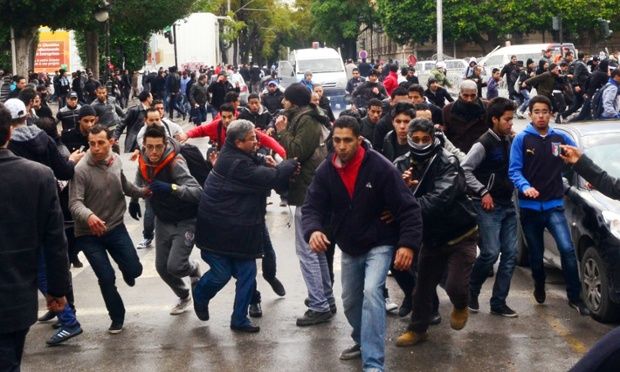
452,65
319,65
534,56
495,60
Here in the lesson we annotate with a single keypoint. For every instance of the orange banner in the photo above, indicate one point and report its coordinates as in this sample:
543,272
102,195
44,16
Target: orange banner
52,51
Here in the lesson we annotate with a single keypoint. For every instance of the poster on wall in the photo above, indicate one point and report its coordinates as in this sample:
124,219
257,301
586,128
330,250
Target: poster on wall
53,51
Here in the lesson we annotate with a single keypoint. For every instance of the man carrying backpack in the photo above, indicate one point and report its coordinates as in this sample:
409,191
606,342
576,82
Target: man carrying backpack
605,101
175,203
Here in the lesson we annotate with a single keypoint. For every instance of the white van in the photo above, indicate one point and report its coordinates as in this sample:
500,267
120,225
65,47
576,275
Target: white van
500,57
327,69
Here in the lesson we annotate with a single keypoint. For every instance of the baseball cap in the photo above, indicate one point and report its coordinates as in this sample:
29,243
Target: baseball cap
86,110
73,95
16,107
273,82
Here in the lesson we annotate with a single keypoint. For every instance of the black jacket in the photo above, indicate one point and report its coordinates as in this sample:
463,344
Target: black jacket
69,117
31,224
355,223
74,139
34,144
218,91
447,211
273,101
133,122
260,119
439,97
601,181
231,212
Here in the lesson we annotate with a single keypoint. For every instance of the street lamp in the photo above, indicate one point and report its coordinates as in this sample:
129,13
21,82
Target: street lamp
102,15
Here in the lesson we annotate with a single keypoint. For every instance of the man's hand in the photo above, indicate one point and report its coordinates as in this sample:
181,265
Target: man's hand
387,217
487,202
182,137
76,156
375,90
55,304
270,131
318,242
531,193
408,178
577,89
96,225
570,154
160,187
403,258
135,155
281,123
134,211
270,161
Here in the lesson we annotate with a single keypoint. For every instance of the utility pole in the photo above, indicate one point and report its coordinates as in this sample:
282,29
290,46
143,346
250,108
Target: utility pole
439,30
13,52
174,36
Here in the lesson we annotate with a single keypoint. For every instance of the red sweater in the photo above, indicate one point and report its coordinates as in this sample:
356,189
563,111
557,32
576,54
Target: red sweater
210,130
348,173
390,83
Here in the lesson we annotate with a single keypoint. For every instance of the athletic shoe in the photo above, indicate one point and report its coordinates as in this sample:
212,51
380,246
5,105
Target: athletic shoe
435,319
539,293
77,263
145,243
312,317
115,328
63,334
580,306
46,317
390,306
181,306
353,352
504,310
405,307
473,305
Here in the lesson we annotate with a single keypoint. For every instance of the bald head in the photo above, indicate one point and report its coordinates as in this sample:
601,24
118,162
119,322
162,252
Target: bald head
468,91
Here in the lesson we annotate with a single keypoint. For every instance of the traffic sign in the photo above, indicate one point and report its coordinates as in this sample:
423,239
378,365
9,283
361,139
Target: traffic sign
412,60
363,54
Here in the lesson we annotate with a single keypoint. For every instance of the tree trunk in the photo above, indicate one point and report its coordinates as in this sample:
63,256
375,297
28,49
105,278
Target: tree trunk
25,48
92,52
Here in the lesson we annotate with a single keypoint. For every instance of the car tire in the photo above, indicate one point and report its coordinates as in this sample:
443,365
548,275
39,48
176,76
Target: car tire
595,287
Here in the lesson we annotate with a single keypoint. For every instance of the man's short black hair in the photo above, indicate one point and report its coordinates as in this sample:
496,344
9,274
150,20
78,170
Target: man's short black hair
5,124
157,102
615,72
98,128
422,107
150,109
253,96
539,99
352,113
350,122
374,72
497,107
231,97
356,69
403,108
416,88
375,102
155,131
393,67
228,107
399,91
26,95
144,95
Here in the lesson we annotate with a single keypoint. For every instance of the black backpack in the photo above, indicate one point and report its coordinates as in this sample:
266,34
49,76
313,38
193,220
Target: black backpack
199,168
597,102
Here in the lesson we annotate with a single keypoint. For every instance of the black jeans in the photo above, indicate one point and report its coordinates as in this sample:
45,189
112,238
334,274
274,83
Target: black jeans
268,266
11,350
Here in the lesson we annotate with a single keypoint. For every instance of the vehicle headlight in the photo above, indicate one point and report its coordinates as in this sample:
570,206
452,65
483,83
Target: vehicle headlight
612,219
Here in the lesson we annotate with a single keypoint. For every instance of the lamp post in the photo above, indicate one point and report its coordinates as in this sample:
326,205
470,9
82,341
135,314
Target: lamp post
102,15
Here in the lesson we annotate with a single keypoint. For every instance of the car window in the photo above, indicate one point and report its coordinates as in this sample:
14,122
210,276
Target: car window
604,150
495,60
320,65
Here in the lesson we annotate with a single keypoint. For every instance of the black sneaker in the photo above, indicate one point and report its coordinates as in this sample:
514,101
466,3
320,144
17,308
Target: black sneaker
63,334
202,311
312,317
47,317
255,310
77,263
129,280
277,286
473,305
539,293
435,319
250,328
580,306
504,310
353,352
115,327
333,309
405,307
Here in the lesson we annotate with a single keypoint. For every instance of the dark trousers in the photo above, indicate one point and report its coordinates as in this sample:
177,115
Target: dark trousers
149,221
457,261
11,350
268,265
118,243
576,105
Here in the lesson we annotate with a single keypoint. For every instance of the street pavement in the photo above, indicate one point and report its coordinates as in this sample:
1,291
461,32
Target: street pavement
549,337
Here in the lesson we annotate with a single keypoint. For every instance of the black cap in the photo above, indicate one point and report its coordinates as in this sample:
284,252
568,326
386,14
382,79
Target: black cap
87,110
73,95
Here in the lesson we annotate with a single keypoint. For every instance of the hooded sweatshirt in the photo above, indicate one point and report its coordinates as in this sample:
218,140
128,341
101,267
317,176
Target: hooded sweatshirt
34,144
99,188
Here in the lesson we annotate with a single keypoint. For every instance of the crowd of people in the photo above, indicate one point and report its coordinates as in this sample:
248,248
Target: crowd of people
409,181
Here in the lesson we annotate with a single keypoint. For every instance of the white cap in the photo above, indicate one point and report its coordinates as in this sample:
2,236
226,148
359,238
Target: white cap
16,107
441,64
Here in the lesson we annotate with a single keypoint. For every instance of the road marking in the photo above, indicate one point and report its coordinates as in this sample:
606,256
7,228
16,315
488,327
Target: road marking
557,326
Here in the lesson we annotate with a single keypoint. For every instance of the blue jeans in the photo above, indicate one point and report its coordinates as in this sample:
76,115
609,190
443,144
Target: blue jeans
363,280
67,316
526,100
498,234
533,223
222,269
96,248
314,270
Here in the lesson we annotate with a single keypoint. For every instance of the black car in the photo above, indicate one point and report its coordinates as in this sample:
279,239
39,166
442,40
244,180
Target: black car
594,221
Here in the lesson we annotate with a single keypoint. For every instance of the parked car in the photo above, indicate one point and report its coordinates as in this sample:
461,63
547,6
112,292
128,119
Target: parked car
594,221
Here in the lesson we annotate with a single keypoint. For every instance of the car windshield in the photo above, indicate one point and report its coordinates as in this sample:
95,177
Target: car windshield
320,65
604,150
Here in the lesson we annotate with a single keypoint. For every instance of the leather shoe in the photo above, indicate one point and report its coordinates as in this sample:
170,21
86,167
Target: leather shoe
249,328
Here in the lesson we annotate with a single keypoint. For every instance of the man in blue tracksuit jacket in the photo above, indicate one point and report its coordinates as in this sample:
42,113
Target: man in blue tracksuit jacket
536,171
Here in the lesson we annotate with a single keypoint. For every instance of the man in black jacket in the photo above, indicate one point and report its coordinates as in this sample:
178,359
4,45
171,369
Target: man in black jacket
436,94
355,215
77,137
255,113
68,115
218,90
450,231
134,121
198,98
231,221
28,194
272,100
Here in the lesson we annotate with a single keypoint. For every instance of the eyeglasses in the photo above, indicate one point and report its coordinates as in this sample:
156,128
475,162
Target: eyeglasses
157,148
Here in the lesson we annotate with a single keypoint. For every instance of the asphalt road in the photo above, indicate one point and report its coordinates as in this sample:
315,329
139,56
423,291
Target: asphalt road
549,337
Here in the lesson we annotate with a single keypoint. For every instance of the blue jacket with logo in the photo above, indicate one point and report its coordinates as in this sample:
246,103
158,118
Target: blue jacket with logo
535,162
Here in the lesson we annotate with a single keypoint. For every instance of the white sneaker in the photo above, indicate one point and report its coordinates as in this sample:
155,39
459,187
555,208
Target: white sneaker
390,306
182,306
145,243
